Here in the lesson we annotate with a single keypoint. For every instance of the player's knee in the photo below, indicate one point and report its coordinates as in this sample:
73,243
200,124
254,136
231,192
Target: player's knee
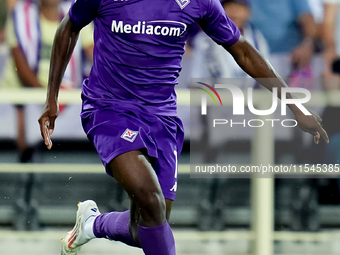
151,205
151,200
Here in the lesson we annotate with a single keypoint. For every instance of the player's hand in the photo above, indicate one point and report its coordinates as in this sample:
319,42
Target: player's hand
46,122
312,125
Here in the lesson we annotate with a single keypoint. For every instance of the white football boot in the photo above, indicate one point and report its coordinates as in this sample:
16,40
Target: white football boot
77,237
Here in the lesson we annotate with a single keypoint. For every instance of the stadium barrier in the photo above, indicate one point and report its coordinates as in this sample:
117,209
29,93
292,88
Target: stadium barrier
262,152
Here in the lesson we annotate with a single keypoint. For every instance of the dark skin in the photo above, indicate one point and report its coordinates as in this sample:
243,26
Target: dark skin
132,169
252,62
50,10
139,180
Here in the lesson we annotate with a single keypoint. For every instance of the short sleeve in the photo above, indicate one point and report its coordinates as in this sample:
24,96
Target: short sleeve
82,12
217,25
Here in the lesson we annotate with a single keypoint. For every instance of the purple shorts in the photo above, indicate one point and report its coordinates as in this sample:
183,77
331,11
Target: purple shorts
116,130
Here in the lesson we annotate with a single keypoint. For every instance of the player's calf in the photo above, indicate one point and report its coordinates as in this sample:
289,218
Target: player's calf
154,233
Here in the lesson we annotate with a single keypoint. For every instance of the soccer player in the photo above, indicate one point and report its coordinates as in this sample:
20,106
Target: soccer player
129,106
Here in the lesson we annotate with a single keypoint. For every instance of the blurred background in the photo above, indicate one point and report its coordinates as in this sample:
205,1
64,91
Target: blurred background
39,189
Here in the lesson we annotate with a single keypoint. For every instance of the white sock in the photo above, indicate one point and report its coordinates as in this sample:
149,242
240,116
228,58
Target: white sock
88,227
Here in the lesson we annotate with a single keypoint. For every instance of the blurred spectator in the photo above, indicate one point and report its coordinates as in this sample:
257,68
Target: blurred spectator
317,12
3,49
30,35
290,30
331,37
317,9
210,60
11,4
213,61
3,16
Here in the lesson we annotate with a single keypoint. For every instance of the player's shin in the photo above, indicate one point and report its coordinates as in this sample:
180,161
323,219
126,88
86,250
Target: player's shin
114,226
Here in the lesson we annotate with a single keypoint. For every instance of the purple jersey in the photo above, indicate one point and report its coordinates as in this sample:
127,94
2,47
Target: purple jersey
139,46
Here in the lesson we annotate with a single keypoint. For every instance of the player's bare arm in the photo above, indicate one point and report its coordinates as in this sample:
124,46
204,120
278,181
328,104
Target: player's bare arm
252,62
64,43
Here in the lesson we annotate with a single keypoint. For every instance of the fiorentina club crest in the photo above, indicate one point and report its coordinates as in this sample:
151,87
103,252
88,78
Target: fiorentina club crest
129,135
182,3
